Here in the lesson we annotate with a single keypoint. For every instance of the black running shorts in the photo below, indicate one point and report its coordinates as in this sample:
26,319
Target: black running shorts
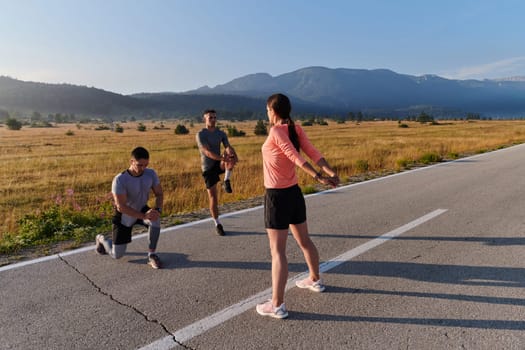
284,207
211,176
122,234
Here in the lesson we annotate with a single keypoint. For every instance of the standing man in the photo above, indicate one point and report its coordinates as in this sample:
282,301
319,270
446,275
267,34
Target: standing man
130,191
213,163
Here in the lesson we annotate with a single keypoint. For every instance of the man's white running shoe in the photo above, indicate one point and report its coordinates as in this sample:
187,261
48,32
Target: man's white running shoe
99,247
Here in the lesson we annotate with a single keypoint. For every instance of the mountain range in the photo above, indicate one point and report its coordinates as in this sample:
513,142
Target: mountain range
314,90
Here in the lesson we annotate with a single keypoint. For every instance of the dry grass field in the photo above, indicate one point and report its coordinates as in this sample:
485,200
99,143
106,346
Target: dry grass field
41,165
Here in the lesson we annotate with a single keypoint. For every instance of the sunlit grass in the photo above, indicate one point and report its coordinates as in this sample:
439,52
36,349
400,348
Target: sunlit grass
40,164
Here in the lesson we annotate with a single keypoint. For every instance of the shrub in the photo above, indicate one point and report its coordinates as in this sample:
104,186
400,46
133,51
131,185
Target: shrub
403,125
70,133
260,128
8,243
141,127
119,128
232,131
181,130
13,124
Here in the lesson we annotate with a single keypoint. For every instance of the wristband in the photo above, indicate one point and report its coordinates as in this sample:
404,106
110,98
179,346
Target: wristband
317,176
159,210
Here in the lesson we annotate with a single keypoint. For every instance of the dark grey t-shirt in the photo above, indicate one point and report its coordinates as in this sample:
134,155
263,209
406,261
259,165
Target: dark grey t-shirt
212,140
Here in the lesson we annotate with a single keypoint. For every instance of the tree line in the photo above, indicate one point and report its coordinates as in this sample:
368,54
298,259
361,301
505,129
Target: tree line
15,120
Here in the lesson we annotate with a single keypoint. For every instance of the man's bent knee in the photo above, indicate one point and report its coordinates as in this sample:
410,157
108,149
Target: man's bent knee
118,250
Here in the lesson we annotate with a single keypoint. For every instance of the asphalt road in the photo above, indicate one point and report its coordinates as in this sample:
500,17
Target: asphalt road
426,259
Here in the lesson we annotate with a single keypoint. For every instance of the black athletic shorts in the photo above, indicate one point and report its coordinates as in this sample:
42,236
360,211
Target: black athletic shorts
284,207
211,176
122,234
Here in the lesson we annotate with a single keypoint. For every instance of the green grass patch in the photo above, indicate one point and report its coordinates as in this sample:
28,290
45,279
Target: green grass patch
361,165
403,163
453,155
430,157
55,224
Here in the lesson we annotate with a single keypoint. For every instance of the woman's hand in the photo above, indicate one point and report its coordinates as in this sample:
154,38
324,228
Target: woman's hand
329,180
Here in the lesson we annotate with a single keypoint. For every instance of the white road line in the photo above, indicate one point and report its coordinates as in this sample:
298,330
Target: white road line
200,327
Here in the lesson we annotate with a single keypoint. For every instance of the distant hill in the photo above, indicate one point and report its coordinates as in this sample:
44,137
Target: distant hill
384,91
63,98
184,104
316,90
27,97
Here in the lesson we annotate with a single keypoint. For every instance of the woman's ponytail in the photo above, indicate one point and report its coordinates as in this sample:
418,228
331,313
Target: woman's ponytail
281,105
293,134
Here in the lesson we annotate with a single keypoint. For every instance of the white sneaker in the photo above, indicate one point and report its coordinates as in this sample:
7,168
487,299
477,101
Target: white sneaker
99,247
307,283
267,309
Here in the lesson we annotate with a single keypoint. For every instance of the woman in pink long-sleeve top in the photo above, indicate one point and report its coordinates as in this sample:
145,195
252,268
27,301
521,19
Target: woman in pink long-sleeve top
284,205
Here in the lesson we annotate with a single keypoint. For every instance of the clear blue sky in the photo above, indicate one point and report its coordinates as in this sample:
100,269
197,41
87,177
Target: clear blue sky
130,46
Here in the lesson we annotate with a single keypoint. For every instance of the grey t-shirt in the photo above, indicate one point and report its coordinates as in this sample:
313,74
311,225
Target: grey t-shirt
136,188
212,140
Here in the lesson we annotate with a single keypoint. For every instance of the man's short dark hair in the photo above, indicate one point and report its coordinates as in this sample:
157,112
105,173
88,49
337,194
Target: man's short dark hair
206,111
140,153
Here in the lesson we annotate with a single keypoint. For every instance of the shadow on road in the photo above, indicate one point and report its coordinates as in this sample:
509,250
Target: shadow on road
439,322
492,241
438,273
443,296
181,261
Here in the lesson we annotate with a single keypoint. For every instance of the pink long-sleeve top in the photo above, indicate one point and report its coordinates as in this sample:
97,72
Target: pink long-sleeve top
280,156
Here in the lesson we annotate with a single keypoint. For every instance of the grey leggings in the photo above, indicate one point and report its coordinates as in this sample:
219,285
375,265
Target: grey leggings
118,250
